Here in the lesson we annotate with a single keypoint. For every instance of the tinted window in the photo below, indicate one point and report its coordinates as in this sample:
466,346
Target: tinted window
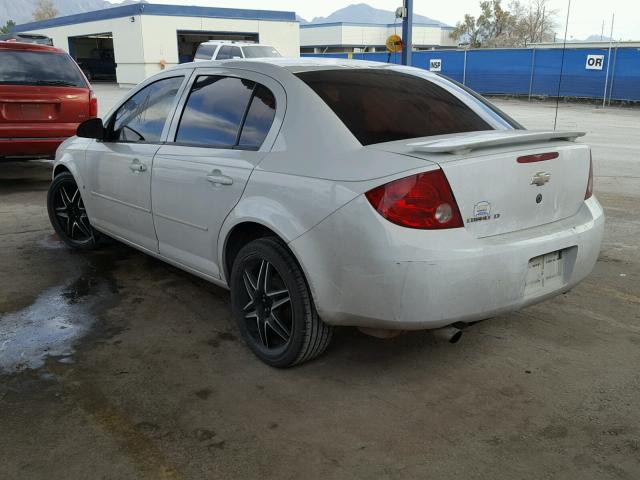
214,111
385,105
227,52
259,118
39,68
143,116
260,51
205,51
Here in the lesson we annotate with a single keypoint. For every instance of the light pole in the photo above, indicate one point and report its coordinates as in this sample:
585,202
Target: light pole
407,26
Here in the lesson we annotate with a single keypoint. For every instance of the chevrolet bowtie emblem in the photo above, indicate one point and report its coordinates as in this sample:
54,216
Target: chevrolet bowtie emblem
540,178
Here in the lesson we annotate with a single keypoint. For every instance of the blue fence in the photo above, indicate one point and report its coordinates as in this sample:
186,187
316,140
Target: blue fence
528,71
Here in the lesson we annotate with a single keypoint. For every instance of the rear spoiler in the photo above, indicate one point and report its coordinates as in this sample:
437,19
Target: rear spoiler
464,143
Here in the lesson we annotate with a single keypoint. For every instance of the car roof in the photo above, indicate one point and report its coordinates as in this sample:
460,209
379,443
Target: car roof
32,47
296,65
235,43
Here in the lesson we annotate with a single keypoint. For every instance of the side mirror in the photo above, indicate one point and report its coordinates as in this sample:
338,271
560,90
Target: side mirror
92,128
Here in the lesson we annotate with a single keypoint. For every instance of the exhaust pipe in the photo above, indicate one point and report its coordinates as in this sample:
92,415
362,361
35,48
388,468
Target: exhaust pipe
449,334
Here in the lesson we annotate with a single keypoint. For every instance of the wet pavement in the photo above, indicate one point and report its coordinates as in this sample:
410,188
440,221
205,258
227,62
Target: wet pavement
114,365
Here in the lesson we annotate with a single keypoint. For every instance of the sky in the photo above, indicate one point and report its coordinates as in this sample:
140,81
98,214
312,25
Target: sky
585,19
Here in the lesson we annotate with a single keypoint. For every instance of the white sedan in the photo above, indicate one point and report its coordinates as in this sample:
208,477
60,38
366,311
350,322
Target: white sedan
326,193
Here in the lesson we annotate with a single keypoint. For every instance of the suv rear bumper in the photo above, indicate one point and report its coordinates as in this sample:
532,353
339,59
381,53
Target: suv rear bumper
34,140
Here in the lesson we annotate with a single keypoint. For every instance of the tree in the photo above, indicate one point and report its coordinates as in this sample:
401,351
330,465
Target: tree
44,10
467,31
536,22
8,26
495,24
517,26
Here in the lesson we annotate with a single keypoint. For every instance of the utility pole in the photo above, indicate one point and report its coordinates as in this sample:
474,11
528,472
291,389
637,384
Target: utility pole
407,26
606,79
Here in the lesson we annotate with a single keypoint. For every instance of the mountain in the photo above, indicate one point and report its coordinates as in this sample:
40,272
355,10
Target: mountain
363,13
21,11
596,38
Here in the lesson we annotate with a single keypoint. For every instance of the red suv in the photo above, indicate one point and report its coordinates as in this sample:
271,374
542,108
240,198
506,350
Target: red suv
43,98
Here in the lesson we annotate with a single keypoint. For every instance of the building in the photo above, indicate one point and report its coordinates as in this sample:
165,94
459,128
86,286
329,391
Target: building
131,42
367,37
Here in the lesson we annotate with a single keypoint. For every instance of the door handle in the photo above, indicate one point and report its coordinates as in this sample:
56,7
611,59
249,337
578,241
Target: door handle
136,166
217,178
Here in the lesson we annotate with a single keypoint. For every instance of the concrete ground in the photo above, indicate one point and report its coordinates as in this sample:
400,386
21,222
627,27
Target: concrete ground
114,365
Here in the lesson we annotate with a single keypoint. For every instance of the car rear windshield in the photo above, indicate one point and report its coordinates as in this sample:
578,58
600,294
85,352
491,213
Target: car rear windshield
260,51
39,68
386,105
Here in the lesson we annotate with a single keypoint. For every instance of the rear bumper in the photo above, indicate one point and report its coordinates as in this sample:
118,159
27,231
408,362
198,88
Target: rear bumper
365,271
30,147
34,139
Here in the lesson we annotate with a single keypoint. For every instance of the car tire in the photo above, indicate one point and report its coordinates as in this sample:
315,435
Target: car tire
273,305
68,215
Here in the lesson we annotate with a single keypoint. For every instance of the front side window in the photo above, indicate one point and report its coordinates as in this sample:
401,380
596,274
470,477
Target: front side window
228,52
142,118
379,105
19,67
226,112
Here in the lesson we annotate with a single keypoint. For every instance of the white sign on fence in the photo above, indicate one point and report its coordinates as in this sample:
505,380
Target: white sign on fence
435,65
594,62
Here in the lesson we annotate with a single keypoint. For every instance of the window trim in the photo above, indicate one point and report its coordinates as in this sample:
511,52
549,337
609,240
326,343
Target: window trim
236,145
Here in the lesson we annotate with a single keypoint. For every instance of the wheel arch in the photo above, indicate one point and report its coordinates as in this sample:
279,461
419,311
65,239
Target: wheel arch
238,235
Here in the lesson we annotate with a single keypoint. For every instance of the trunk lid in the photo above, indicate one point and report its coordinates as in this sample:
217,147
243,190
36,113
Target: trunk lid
496,193
23,105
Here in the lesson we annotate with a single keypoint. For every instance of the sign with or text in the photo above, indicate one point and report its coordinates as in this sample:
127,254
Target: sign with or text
594,62
435,65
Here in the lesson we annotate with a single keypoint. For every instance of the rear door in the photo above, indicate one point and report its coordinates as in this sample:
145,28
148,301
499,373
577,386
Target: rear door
42,94
222,130
118,170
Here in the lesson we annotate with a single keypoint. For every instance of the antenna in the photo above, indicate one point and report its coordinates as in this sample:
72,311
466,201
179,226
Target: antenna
564,46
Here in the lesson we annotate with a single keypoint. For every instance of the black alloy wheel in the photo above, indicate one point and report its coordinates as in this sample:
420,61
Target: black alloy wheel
273,306
68,215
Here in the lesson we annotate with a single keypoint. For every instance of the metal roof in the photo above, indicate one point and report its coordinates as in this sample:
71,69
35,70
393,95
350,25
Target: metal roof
158,10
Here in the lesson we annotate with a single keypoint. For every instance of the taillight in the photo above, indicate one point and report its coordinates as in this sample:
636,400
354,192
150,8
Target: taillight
422,201
537,157
589,191
93,104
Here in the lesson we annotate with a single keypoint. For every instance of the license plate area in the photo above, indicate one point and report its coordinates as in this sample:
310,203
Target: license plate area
545,272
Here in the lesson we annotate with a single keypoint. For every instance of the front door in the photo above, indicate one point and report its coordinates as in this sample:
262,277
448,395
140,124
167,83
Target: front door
118,170
200,176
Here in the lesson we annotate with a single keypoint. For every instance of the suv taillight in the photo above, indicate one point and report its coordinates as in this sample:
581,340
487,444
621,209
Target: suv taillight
93,104
589,191
422,201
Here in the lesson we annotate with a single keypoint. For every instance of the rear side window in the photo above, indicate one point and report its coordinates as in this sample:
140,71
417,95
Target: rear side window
226,112
259,118
385,105
143,116
260,51
205,51
39,68
228,52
